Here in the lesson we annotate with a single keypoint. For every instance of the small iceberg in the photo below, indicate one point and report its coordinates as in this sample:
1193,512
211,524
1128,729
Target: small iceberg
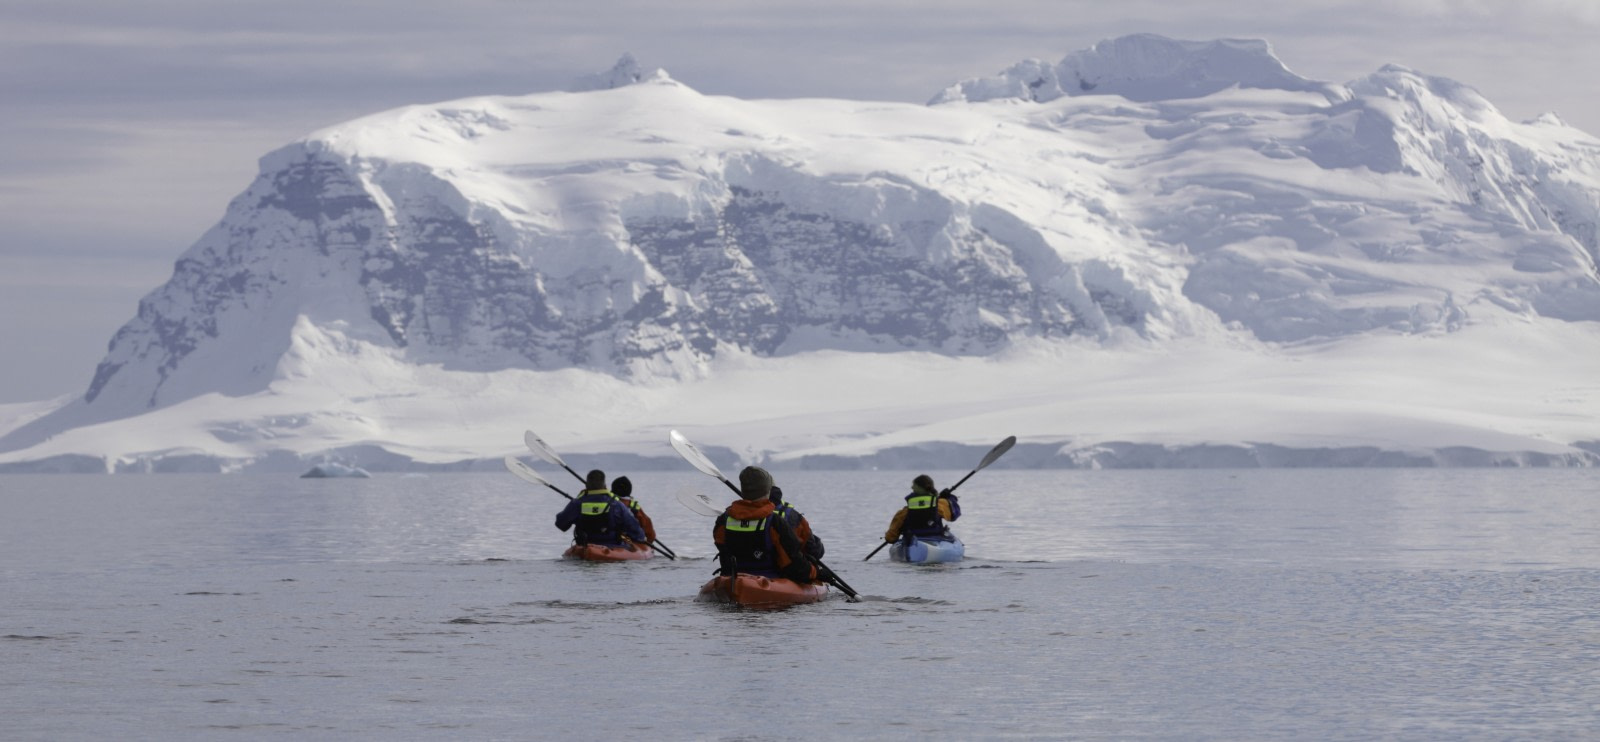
330,471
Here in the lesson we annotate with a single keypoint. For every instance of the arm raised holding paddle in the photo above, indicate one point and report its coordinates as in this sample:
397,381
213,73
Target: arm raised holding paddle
925,511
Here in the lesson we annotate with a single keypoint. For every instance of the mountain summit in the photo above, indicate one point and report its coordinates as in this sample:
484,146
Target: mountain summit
631,254
1142,67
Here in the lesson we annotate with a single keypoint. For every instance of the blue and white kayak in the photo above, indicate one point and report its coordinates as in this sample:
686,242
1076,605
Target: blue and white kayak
928,551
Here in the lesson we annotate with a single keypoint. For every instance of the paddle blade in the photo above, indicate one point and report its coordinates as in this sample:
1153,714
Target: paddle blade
694,456
542,449
698,502
525,472
998,451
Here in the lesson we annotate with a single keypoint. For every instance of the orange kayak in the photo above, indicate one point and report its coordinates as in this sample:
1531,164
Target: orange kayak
754,591
600,553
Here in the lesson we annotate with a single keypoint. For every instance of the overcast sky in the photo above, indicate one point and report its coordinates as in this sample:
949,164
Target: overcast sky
126,127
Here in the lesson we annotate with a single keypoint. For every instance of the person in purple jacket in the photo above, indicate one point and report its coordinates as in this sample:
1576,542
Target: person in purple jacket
599,517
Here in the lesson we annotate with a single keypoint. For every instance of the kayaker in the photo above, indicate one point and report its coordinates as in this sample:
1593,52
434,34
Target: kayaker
750,540
622,487
798,522
599,516
920,517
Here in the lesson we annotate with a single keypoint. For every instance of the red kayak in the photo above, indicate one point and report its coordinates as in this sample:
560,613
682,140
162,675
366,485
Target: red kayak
754,591
601,553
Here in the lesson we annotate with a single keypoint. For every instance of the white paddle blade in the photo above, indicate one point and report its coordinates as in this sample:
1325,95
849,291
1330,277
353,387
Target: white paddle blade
542,449
998,451
693,455
698,502
524,471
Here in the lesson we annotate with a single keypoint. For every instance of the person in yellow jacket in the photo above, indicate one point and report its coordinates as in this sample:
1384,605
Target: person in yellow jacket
925,512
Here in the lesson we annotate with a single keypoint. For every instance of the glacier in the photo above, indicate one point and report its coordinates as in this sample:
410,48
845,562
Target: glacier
1152,253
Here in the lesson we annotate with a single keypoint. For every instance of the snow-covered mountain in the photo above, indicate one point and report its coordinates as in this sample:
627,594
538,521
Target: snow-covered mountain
1153,252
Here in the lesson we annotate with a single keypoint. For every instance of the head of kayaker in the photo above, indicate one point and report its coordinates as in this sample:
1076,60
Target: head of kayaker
925,513
750,540
755,483
599,517
797,521
622,487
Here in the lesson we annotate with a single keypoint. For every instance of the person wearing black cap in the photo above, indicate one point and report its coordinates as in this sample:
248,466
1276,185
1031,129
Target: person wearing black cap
752,539
599,516
798,522
925,514
622,487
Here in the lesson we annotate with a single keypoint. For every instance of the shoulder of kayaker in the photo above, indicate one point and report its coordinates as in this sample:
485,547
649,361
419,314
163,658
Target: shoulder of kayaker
949,505
648,525
741,510
802,528
628,525
568,515
894,525
790,553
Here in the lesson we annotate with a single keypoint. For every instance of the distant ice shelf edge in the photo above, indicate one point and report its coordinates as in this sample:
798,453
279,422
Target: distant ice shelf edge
924,457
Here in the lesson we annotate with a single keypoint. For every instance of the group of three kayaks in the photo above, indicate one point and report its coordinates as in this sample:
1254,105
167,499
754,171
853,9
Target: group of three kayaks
751,590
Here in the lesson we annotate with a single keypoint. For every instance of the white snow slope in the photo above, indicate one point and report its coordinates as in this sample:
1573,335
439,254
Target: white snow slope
1153,253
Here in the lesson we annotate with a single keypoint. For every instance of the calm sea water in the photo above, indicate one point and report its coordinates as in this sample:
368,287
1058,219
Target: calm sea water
1181,605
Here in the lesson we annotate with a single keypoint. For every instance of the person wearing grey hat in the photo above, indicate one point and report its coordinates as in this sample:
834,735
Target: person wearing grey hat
752,538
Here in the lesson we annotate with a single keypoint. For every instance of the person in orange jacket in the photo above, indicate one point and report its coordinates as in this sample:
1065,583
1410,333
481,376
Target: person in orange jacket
622,487
752,538
922,517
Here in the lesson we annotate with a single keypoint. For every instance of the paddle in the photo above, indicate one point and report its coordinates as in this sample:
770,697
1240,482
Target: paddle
699,503
527,473
698,460
994,454
544,451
